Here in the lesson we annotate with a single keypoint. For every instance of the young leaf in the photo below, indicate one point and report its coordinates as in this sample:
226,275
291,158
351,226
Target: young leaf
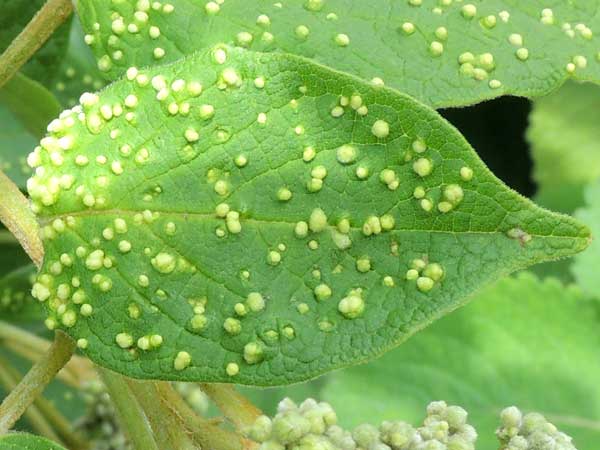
260,219
457,54
586,266
16,302
44,65
563,132
23,441
522,341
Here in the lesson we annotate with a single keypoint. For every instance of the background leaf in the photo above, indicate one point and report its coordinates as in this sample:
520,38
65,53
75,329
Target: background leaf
522,341
565,144
585,267
30,102
21,441
16,302
15,144
78,72
507,47
273,288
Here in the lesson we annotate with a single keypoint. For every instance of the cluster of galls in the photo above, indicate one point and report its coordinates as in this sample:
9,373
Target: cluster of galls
530,432
313,426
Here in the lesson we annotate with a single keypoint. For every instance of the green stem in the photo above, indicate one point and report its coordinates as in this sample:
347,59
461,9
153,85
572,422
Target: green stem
168,430
33,415
48,411
36,380
33,36
205,433
131,415
18,218
237,408
33,348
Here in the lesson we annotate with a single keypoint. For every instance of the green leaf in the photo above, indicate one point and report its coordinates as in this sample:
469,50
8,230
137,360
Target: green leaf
31,103
586,266
507,47
523,341
22,441
16,302
565,144
44,64
265,227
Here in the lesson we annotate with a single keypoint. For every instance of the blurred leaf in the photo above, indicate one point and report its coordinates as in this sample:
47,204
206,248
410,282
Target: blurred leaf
586,267
522,341
31,103
16,302
44,64
15,144
22,441
565,144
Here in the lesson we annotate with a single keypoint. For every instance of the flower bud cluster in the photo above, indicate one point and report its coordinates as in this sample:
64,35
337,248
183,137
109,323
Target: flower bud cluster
530,432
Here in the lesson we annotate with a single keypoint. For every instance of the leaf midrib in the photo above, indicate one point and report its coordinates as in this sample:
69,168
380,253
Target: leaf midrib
116,212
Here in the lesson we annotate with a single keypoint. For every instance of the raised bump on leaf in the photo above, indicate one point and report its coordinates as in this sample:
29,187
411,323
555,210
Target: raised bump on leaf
184,244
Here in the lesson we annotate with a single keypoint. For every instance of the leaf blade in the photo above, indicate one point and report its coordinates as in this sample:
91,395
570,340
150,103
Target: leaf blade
245,287
530,56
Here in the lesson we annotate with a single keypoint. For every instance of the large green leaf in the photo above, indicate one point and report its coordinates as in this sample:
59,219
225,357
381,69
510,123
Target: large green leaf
522,341
456,54
258,212
585,267
565,144
22,441
44,64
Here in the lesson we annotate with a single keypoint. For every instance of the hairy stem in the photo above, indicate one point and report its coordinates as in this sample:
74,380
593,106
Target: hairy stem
33,415
33,348
36,380
33,36
168,430
237,408
18,218
51,416
205,433
131,414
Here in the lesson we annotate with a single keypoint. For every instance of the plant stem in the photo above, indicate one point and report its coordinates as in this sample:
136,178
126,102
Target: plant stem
130,413
237,408
18,218
33,414
33,36
168,430
206,434
33,348
51,416
35,381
